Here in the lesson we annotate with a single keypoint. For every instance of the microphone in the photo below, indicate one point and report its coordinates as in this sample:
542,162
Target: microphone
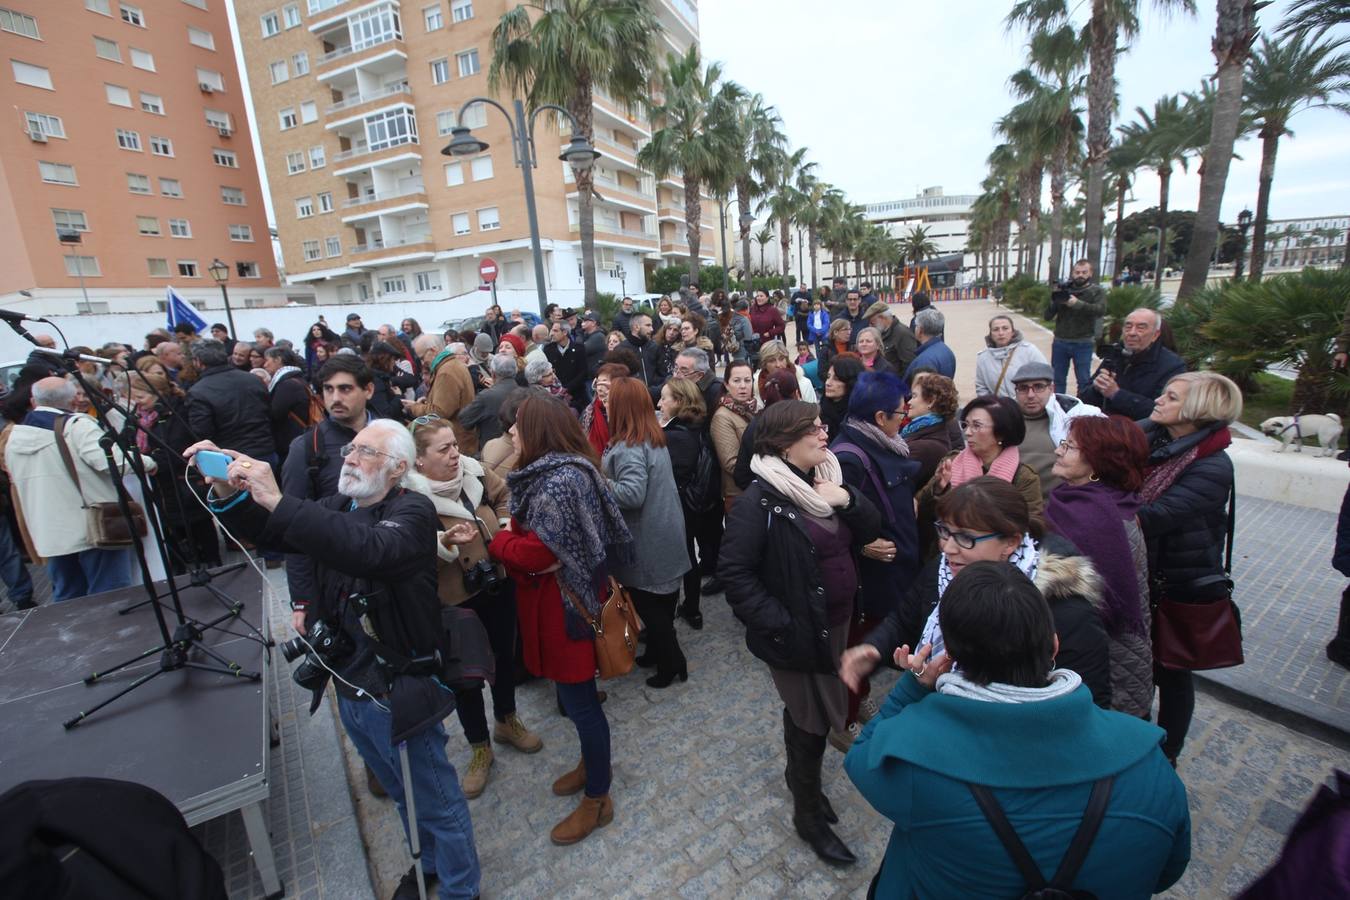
12,317
67,354
17,325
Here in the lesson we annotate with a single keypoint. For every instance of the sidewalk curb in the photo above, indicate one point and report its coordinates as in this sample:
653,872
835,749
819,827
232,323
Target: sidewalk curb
1281,715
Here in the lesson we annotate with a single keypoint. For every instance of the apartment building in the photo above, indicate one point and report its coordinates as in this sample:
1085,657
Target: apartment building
126,165
354,101
1295,243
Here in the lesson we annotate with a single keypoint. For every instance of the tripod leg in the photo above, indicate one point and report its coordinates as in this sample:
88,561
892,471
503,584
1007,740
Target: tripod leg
412,821
122,665
71,723
232,666
232,670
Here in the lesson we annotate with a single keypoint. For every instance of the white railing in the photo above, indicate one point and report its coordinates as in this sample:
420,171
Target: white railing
687,11
380,197
359,46
363,151
382,244
364,98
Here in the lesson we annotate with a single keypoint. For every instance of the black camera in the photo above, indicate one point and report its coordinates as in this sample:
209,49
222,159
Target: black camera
482,577
1113,357
328,646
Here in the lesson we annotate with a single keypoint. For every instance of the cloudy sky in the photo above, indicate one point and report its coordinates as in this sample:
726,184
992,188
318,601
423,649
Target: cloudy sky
895,95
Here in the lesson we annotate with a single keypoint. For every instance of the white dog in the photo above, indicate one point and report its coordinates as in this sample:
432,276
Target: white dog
1294,428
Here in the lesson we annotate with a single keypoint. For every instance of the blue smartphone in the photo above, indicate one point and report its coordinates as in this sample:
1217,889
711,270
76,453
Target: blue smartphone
212,464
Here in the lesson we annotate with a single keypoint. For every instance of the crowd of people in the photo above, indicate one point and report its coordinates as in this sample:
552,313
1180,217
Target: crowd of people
1005,551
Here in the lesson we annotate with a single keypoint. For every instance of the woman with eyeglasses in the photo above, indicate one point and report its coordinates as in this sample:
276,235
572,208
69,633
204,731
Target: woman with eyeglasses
993,429
565,535
637,467
473,505
788,567
875,461
1101,464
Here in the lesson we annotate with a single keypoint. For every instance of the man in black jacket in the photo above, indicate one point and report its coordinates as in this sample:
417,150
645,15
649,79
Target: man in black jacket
854,314
228,406
481,414
1131,379
623,319
593,341
373,545
640,342
568,359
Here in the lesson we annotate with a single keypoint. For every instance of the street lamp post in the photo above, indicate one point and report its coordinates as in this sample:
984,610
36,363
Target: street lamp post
71,239
744,221
622,276
580,154
221,273
1244,222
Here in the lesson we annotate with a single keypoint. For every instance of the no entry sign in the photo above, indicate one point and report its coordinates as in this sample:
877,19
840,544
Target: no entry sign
487,270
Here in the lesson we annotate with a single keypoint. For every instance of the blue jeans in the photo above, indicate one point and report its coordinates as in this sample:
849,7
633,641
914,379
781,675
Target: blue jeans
12,570
1080,353
88,572
444,832
583,707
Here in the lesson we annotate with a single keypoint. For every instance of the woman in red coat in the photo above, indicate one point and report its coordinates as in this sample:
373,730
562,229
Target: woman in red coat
765,319
566,528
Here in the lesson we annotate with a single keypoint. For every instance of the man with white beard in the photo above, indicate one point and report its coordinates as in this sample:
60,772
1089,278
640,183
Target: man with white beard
373,546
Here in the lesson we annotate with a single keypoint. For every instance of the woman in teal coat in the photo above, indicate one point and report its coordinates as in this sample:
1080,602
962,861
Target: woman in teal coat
994,711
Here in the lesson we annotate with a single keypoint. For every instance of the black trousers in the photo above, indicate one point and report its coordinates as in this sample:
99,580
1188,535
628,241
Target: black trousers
658,615
497,612
705,529
1176,706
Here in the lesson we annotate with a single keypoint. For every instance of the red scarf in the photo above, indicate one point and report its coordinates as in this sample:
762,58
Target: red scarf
597,430
1157,479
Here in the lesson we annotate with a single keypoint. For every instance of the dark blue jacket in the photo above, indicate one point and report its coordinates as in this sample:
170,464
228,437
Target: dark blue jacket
884,584
1141,378
934,356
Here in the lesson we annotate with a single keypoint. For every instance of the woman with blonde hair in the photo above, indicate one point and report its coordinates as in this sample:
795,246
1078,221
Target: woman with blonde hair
773,356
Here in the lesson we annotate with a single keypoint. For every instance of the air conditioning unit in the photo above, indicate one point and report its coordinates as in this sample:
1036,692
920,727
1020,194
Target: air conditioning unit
37,135
225,130
205,88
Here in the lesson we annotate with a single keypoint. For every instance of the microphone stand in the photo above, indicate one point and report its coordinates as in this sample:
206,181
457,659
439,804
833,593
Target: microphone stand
176,647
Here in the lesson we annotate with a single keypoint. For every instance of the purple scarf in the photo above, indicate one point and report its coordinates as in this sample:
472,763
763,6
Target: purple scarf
1093,517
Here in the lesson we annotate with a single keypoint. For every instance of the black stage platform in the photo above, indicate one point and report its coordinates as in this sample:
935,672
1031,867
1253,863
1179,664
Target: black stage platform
199,738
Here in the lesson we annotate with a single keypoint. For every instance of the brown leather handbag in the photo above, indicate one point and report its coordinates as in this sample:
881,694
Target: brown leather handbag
105,525
616,630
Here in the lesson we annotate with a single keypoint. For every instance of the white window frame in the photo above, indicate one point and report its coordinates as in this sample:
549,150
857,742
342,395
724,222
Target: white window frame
142,59
241,233
132,15
304,207
290,16
211,77
106,48
279,70
217,118
225,196
394,284
113,98
491,225
325,201
54,173
475,116
180,228
461,10
433,17
152,103
318,157
226,159
456,219
84,265
19,23
475,168
309,112
161,146
440,70
300,63
163,267
206,43
374,26
445,122
187,268
468,59
287,119
43,123
392,128
31,75
295,162
70,220
148,226
175,190
102,7
428,281
329,243
247,270
131,183
270,24
454,174
311,250
128,139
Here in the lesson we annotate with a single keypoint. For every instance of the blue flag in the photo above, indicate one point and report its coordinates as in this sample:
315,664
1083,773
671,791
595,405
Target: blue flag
179,310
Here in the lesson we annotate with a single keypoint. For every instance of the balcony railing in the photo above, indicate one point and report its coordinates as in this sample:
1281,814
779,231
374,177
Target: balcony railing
607,189
380,197
358,47
366,98
366,151
687,11
606,228
381,244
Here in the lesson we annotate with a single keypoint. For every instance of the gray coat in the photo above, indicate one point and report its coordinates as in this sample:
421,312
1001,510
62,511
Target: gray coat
644,484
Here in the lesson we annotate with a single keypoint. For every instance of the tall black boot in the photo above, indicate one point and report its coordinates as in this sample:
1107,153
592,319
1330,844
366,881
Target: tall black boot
826,810
805,752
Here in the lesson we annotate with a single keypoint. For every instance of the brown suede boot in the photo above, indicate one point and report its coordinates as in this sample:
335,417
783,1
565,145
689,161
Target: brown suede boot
572,782
591,813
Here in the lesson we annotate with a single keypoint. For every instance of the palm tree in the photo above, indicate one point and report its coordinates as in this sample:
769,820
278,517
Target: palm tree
1057,55
1314,17
559,51
1234,34
1286,77
917,245
761,147
691,133
839,228
1121,165
763,237
783,201
813,198
1110,22
1164,137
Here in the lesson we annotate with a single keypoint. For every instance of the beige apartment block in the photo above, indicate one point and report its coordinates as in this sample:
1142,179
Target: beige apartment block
354,102
127,133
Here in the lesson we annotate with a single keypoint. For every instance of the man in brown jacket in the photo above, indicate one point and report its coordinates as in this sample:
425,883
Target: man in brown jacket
449,391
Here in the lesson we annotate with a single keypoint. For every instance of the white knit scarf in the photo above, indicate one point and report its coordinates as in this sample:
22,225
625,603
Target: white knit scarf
779,476
1062,683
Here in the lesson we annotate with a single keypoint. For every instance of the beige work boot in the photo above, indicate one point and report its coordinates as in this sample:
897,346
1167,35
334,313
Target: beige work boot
476,775
514,732
591,813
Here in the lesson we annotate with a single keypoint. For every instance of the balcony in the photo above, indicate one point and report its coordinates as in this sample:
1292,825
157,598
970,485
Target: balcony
620,197
669,211
366,158
619,236
350,104
380,252
609,113
344,59
374,205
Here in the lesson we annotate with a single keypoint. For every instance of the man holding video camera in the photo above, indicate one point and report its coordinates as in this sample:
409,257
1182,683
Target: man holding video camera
1075,307
375,624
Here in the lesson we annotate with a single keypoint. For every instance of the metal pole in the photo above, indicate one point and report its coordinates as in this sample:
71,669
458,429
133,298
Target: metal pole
526,154
1157,262
722,223
229,316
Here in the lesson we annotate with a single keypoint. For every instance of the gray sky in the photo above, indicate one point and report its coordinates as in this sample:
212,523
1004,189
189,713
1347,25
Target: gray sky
895,95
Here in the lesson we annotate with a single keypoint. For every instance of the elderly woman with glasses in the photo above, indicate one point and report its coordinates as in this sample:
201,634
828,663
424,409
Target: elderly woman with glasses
986,519
788,567
472,504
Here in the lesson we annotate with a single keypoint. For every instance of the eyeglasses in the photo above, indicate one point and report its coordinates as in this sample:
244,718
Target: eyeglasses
425,420
1066,446
1034,387
973,426
364,451
962,539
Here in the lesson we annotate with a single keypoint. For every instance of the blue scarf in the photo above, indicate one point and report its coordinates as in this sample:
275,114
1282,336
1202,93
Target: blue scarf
563,499
920,423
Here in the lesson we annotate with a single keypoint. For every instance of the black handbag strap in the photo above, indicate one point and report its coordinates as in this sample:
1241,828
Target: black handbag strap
1078,847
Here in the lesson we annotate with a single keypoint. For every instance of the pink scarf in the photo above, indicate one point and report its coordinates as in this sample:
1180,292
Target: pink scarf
966,465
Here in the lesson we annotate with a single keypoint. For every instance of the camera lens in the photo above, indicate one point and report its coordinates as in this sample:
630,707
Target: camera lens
293,649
